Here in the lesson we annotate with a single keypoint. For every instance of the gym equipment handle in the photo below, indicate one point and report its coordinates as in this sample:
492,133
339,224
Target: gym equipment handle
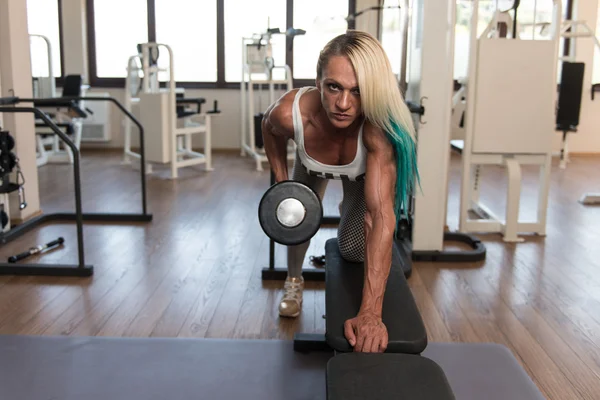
215,109
415,108
595,88
8,100
35,250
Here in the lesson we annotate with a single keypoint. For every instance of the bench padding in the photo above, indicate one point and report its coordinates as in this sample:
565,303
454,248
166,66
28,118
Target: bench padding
343,295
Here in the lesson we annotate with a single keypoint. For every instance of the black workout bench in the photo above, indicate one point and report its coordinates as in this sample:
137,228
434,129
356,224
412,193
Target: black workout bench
399,373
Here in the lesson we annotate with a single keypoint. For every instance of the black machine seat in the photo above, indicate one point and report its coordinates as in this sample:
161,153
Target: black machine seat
71,88
182,102
343,295
354,376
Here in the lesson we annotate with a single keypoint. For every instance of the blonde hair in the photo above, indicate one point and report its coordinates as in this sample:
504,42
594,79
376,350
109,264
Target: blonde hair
382,102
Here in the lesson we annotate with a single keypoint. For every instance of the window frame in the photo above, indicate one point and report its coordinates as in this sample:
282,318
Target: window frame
220,83
95,81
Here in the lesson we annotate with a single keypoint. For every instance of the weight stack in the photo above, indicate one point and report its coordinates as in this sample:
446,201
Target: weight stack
258,138
569,96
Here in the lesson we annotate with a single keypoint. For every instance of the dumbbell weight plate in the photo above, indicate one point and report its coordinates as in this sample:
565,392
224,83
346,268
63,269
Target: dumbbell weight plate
290,213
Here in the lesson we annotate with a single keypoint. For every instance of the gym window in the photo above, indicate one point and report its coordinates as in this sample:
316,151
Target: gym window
243,19
391,33
189,28
330,23
43,19
209,54
116,27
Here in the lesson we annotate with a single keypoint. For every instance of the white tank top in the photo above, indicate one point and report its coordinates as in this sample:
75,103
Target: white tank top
355,171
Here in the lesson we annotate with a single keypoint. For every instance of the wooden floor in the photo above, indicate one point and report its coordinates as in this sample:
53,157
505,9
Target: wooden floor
194,271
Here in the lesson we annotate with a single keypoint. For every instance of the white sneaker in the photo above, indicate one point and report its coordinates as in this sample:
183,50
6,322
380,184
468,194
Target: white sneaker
291,303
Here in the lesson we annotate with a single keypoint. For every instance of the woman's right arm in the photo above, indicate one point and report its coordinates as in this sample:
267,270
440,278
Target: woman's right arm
277,129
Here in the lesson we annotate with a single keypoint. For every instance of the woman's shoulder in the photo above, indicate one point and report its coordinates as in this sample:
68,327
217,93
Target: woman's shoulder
310,102
374,138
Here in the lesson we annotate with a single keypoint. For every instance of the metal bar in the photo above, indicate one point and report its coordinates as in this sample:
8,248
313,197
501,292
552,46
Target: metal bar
111,217
25,227
477,252
76,172
142,145
151,20
8,100
221,83
330,220
91,217
46,270
66,100
289,40
271,254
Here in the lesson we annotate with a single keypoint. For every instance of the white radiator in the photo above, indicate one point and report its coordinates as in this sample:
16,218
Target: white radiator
96,127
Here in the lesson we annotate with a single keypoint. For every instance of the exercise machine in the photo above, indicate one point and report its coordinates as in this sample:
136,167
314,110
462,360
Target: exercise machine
510,100
499,27
49,148
573,30
571,90
14,105
9,163
258,68
171,119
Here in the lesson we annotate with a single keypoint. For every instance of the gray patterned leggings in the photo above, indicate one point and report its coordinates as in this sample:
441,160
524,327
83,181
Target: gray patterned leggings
351,234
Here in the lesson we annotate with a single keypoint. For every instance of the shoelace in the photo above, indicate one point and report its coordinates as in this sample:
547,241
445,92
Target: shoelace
293,290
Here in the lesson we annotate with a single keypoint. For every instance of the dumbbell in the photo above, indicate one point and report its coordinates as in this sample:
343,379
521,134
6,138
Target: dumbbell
290,213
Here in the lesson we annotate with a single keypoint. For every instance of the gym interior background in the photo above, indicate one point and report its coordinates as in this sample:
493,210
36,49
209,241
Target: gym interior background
188,260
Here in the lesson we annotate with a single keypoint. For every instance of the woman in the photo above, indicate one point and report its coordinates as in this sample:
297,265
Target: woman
353,126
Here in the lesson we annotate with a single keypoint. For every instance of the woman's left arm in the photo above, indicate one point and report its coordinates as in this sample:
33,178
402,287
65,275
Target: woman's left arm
366,332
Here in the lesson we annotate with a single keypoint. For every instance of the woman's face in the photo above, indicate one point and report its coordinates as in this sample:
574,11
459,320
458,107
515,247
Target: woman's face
340,96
